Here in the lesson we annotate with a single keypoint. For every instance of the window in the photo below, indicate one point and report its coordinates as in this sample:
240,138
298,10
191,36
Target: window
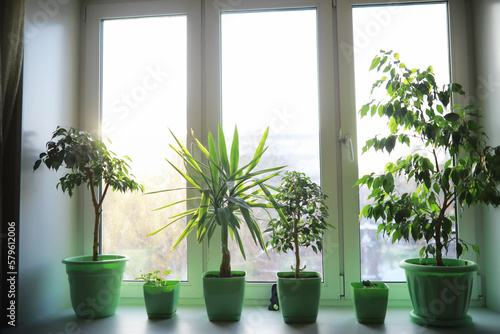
373,27
380,259
270,79
143,97
295,66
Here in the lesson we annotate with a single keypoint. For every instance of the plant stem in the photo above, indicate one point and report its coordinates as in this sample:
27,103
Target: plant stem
225,266
95,248
439,245
296,246
97,215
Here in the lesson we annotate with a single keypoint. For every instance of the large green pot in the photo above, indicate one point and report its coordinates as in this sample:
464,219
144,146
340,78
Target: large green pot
95,286
299,297
370,304
224,297
440,295
161,301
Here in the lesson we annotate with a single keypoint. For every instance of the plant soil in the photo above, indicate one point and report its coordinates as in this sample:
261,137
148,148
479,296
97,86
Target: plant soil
293,276
218,276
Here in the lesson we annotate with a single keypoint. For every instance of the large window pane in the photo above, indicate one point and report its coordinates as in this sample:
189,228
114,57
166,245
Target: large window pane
143,96
419,33
270,79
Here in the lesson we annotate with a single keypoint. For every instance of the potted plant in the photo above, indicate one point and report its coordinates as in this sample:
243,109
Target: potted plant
420,112
370,301
160,295
95,280
302,223
228,193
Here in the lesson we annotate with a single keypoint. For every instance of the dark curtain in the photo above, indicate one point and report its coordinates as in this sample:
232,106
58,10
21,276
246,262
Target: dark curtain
11,47
11,69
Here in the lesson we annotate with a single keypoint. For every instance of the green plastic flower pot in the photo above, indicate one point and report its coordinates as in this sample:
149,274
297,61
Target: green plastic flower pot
370,304
95,286
440,295
161,301
299,297
224,297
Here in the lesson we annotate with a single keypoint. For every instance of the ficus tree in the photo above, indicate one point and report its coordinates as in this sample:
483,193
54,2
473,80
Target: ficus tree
422,114
227,193
87,161
302,220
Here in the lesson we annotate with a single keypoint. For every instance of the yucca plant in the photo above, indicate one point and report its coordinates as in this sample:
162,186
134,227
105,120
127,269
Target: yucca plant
228,193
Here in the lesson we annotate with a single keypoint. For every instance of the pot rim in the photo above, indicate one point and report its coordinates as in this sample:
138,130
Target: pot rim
103,258
216,272
172,282
454,265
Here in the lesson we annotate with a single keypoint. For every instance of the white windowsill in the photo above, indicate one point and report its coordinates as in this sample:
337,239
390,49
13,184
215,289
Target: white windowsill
193,319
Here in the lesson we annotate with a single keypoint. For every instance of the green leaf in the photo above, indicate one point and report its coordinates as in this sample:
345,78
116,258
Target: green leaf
364,110
37,164
375,62
388,183
189,179
223,150
451,117
390,143
259,151
460,249
439,109
214,163
235,152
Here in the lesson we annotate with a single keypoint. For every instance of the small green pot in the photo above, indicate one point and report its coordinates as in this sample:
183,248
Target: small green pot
440,295
224,297
161,301
299,298
370,304
95,286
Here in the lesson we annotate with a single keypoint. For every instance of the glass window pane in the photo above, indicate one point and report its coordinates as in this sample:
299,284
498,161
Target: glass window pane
419,33
270,79
143,96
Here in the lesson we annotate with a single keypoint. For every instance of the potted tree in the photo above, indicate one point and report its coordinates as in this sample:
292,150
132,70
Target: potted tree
95,280
228,193
420,112
301,223
370,301
160,295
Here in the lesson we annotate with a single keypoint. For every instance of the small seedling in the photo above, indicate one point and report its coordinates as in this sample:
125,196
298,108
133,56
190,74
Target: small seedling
156,278
369,285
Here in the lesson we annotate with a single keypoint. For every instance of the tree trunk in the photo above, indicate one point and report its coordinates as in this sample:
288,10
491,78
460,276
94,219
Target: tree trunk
439,259
296,246
439,245
225,266
95,248
97,214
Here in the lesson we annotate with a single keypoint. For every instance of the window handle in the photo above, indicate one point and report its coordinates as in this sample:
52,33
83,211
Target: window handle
347,141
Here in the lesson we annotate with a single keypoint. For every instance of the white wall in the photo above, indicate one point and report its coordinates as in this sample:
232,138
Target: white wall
487,56
48,218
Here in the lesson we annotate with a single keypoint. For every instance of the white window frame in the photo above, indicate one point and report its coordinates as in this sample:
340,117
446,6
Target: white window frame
204,113
337,112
